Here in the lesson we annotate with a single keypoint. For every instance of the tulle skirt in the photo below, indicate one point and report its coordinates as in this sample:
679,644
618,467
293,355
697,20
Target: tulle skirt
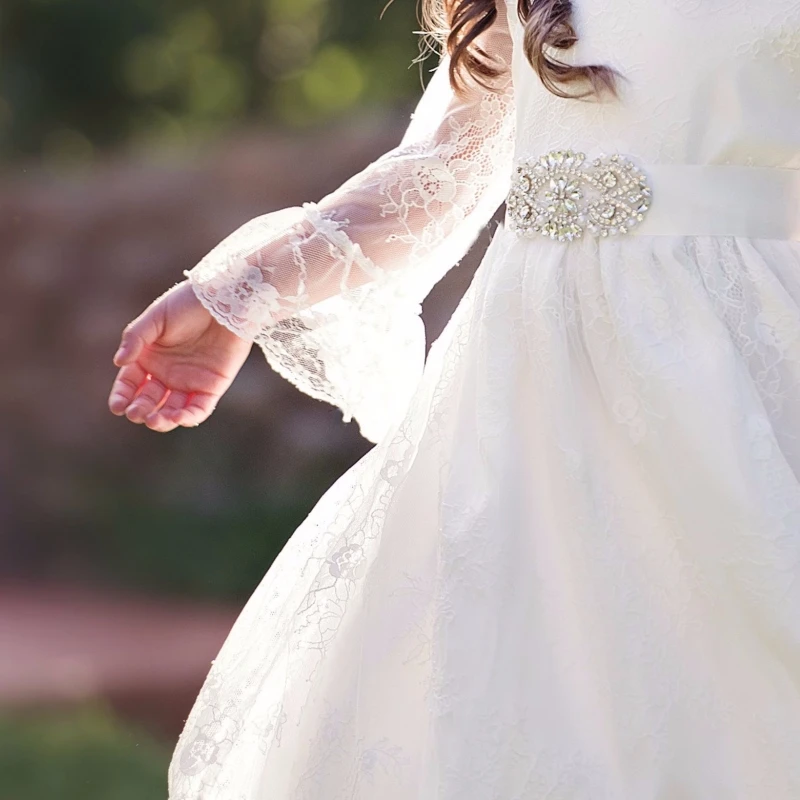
571,573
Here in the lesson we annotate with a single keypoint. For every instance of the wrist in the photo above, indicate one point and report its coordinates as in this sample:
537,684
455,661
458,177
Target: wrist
217,302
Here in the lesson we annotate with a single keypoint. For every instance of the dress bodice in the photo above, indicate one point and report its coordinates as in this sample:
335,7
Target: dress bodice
705,82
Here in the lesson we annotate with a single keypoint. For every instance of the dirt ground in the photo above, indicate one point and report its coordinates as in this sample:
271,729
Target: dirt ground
146,658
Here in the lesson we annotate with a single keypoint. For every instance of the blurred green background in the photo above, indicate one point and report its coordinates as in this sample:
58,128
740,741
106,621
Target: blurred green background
78,76
134,135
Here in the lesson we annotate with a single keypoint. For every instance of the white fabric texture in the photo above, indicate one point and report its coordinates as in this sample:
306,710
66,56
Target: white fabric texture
570,568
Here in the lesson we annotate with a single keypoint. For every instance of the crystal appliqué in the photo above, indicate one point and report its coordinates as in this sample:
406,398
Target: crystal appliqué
562,195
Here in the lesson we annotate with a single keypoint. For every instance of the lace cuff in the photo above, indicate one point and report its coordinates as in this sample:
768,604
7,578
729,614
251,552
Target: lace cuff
336,349
237,290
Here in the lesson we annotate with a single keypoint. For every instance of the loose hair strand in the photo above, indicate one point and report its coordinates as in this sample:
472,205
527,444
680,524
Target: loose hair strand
548,27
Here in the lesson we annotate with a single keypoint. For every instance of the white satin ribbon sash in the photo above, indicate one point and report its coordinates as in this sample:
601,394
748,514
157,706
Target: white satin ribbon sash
722,200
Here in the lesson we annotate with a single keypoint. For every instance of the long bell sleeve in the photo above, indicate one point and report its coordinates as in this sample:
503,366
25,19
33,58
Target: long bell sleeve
331,291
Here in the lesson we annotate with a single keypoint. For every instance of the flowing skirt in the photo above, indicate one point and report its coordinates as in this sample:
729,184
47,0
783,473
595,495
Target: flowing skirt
571,573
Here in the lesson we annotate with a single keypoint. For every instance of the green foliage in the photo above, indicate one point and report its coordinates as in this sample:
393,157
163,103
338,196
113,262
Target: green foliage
178,549
77,75
206,534
78,755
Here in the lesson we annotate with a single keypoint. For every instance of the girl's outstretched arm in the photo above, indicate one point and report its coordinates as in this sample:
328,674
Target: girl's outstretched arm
331,291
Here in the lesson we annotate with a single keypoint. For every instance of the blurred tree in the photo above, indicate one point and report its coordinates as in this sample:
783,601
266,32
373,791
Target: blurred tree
78,75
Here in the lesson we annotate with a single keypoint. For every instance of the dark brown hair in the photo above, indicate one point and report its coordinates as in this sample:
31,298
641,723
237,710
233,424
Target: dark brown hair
548,25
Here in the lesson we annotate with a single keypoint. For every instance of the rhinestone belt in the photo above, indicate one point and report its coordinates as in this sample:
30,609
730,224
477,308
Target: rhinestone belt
562,195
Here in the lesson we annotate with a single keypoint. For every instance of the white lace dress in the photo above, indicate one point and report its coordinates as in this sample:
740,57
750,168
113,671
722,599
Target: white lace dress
570,567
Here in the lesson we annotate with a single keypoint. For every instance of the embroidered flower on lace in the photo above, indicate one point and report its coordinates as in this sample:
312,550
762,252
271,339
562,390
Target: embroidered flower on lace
348,562
240,294
213,739
778,331
383,756
440,187
628,411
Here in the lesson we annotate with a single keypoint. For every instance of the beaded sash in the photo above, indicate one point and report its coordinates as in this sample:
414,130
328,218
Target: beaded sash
561,195
564,195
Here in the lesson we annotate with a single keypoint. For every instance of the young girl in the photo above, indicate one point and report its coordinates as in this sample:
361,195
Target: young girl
570,567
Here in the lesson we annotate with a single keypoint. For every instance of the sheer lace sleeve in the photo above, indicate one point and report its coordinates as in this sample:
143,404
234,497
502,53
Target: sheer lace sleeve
331,291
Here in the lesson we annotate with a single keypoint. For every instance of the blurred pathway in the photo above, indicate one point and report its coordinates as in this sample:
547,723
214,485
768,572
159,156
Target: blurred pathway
146,657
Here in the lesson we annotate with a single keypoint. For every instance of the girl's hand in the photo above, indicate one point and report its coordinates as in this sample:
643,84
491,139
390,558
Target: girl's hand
175,361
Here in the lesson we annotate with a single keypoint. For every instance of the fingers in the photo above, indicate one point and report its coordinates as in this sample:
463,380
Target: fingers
163,419
138,395
144,330
174,403
129,380
144,399
150,396
159,423
182,410
199,408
